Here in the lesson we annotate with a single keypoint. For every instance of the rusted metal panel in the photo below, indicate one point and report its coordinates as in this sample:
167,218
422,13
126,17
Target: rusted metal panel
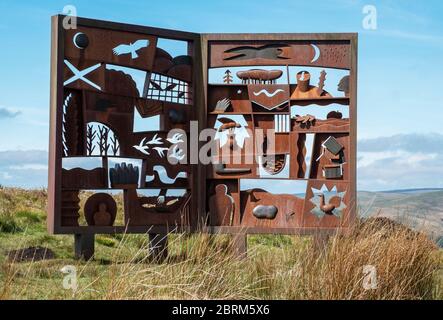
128,49
277,52
329,200
93,107
92,116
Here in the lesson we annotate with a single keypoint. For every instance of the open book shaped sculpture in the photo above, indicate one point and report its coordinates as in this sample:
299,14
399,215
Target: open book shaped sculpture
105,74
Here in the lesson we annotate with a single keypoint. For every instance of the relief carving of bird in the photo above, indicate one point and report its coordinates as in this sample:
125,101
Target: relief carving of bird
131,48
161,151
176,138
158,87
144,147
333,203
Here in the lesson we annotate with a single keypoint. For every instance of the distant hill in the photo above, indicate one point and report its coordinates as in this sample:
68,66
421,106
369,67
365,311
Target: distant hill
418,190
421,209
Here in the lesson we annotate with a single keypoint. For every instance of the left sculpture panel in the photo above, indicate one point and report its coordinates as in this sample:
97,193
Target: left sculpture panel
106,77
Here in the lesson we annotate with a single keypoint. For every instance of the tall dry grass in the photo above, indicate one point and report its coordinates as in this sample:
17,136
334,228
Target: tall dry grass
200,266
203,267
206,267
406,265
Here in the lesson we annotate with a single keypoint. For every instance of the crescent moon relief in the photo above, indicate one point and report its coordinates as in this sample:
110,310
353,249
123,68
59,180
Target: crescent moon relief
75,38
80,40
317,53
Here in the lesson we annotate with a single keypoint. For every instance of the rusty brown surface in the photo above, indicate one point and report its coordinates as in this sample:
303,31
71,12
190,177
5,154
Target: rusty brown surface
100,210
263,111
270,97
113,100
332,55
101,45
93,106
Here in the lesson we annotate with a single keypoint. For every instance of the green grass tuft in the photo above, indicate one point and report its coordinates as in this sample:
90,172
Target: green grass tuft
9,224
278,241
29,216
106,241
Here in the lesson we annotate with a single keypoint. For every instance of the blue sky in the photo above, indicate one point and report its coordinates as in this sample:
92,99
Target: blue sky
400,111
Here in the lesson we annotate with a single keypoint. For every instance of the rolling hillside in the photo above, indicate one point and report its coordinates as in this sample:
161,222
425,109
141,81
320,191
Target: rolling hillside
421,209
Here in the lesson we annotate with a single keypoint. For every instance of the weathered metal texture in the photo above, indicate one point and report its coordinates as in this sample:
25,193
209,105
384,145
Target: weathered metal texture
113,47
93,107
267,106
221,207
79,178
344,220
321,156
93,110
84,245
270,97
289,209
223,192
305,90
149,211
326,125
100,210
238,98
315,53
259,76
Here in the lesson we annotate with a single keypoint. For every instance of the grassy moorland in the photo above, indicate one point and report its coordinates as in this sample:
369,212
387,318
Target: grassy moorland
408,264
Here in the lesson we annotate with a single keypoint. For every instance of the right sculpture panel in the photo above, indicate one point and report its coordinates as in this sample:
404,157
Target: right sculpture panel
284,111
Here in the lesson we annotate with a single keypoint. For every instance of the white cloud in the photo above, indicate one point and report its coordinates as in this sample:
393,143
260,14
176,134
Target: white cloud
400,162
400,157
5,175
417,159
24,168
30,166
366,159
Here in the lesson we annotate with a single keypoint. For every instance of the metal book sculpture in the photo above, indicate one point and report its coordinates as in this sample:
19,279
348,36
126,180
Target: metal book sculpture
95,148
